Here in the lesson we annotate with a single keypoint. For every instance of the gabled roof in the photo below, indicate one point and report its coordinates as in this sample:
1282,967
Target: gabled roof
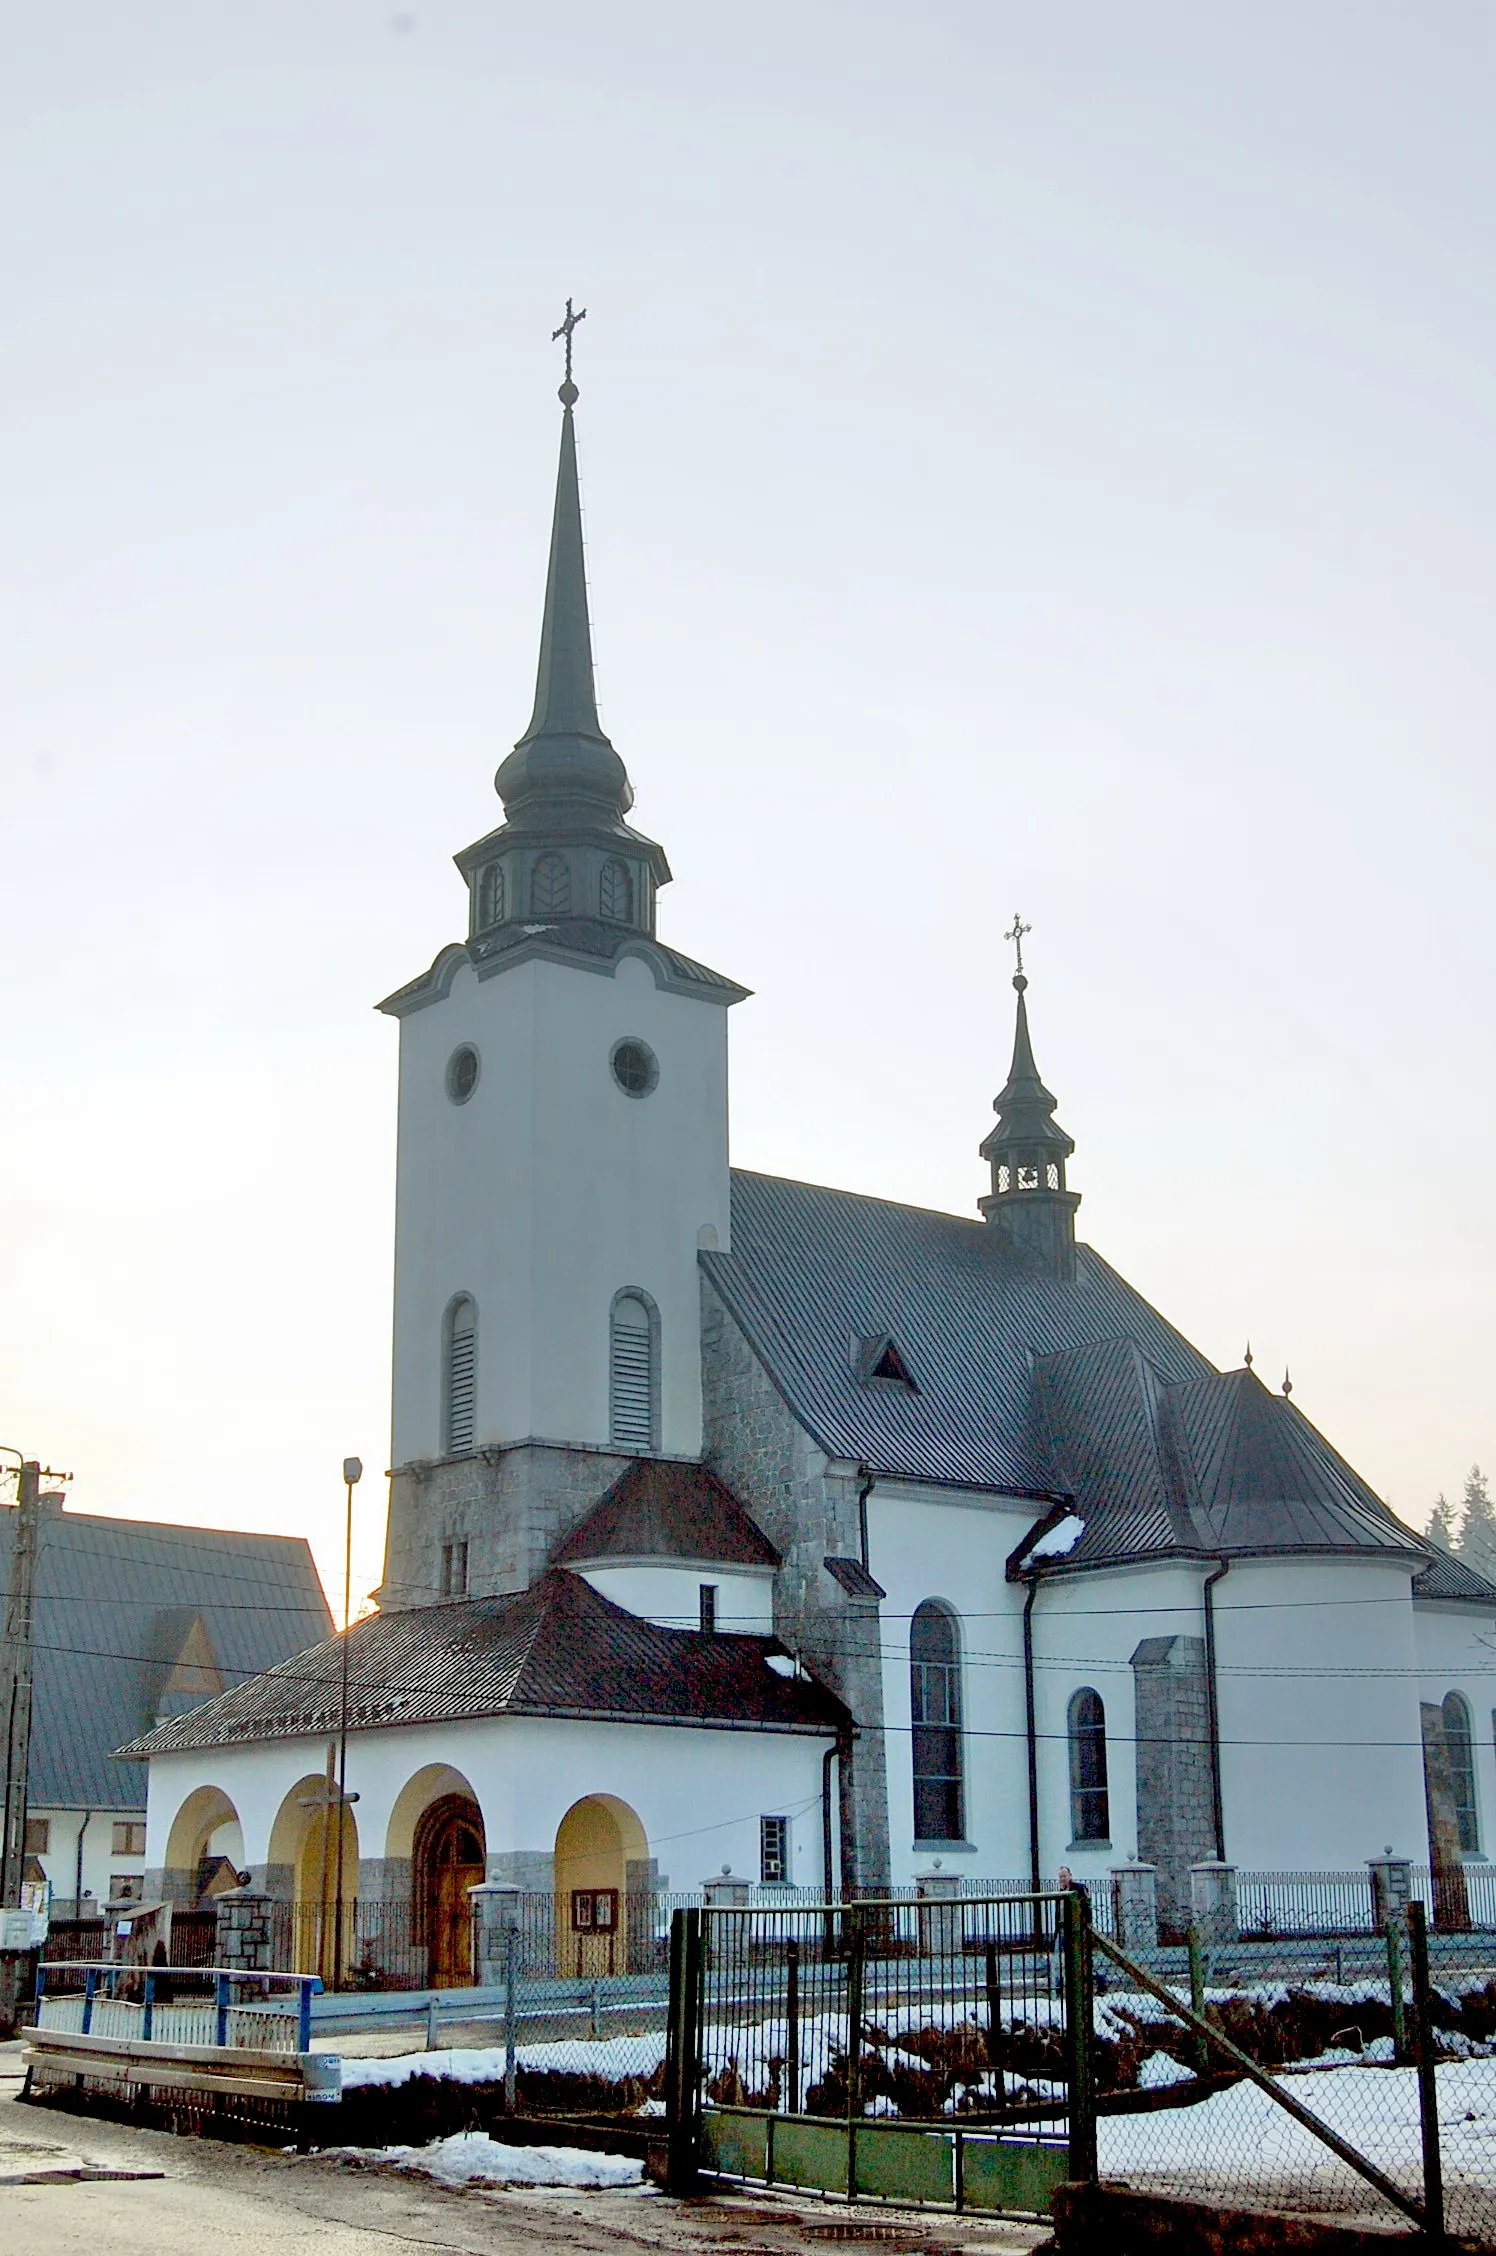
556,1649
811,1266
119,1604
661,1510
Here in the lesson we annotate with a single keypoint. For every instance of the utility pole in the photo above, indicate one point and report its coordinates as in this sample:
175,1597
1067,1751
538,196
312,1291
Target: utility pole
15,1681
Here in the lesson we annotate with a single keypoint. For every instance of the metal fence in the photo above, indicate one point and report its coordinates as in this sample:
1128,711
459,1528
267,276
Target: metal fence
912,2049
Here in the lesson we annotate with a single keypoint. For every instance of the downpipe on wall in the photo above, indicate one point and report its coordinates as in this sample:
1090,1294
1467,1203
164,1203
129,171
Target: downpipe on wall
1217,1574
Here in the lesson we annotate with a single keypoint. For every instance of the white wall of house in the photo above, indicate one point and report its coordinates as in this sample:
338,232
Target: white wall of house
671,1595
698,1794
102,1862
549,1191
1456,1652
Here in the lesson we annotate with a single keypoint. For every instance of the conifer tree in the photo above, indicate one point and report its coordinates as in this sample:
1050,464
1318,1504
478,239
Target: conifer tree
1441,1528
1478,1526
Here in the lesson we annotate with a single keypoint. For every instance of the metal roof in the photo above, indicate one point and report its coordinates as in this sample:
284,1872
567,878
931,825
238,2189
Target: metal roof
1449,1578
556,1649
811,1270
1029,1386
661,1509
116,1603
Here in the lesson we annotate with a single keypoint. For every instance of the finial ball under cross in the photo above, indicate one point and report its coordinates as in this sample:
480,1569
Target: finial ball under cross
1015,933
568,394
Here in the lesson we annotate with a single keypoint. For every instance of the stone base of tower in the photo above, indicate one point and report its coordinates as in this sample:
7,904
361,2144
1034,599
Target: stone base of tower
509,1504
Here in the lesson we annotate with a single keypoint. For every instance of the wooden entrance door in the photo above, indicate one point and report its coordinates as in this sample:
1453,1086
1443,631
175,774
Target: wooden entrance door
451,1861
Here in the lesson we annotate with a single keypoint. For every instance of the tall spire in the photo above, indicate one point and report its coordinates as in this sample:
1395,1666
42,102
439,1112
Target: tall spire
1027,1150
563,755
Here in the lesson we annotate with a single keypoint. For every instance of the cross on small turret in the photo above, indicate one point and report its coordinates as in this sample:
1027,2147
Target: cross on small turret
566,330
1015,933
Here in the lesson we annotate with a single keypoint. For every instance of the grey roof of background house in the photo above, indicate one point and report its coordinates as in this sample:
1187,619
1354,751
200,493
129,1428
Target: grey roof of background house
115,1600
1031,1386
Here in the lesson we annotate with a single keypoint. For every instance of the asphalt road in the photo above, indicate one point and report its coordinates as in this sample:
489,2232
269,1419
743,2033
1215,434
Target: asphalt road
74,2186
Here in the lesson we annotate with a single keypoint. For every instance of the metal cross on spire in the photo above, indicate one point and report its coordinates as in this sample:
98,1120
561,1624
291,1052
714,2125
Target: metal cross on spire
568,394
1015,933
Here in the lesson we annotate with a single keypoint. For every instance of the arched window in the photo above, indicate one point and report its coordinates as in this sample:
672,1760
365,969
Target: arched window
616,893
632,1384
1090,1812
491,895
935,1710
459,1377
550,887
1459,1740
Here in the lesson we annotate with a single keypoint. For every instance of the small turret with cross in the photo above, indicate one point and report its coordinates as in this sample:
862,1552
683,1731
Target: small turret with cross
1027,1151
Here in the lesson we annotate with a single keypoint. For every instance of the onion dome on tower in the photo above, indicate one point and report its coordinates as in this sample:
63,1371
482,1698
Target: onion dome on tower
1027,1150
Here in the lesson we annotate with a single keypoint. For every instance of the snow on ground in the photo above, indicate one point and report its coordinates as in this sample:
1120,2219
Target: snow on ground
1242,2136
473,2158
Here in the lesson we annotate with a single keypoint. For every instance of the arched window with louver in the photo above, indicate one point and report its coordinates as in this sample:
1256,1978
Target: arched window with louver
935,1711
1090,1805
459,1377
550,887
616,893
633,1356
491,895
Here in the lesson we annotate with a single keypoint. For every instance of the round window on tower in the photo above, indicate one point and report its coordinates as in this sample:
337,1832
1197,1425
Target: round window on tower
636,1069
462,1073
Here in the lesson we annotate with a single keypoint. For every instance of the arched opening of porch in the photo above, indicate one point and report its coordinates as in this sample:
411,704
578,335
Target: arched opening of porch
436,1833
206,1838
596,1842
304,1843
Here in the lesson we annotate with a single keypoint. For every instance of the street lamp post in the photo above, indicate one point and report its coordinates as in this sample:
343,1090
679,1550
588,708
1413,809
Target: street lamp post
353,1472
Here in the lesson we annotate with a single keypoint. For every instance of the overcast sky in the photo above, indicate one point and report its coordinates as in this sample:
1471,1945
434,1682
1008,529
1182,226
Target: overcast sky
1035,455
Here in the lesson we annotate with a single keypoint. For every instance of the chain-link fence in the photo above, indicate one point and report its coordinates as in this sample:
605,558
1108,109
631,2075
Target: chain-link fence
1349,2077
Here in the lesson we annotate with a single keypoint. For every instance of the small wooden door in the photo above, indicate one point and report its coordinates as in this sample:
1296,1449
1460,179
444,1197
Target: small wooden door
457,1865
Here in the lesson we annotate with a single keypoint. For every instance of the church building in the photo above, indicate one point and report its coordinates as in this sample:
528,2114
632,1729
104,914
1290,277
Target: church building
740,1522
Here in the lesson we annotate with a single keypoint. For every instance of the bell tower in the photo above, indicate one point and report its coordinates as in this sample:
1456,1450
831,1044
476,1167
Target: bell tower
562,1149
1027,1151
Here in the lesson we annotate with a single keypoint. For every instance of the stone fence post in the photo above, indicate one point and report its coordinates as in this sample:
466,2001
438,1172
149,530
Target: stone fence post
496,1909
1135,1906
1213,1903
245,1937
1391,1889
940,1931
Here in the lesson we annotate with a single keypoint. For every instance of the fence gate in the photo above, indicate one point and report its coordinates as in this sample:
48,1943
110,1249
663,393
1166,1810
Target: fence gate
929,2051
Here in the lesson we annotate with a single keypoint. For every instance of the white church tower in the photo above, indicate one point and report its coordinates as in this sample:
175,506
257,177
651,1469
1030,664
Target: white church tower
562,1151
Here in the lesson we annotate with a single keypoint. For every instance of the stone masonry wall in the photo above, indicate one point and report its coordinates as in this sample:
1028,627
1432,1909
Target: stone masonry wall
1176,1810
809,1512
510,1504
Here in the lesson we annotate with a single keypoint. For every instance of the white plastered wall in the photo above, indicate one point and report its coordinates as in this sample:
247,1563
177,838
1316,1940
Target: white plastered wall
1456,1652
672,1595
1321,1762
550,1191
698,1794
1086,1629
